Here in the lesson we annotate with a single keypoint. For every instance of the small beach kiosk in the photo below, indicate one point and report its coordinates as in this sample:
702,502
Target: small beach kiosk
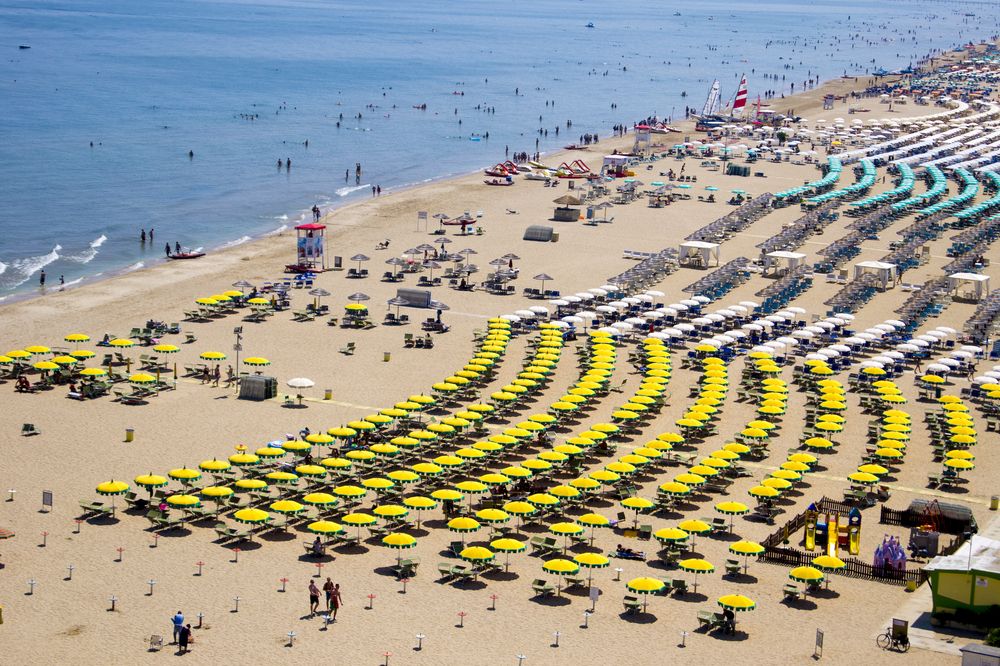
616,166
969,286
968,579
698,254
310,249
885,273
565,212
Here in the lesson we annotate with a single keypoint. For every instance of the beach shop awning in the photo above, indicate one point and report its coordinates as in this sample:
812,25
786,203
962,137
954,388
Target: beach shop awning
700,250
980,286
968,579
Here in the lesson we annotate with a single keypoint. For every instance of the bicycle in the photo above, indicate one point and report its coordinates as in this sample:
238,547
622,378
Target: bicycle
889,640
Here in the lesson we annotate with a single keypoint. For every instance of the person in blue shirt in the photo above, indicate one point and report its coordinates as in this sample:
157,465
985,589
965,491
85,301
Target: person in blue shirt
178,624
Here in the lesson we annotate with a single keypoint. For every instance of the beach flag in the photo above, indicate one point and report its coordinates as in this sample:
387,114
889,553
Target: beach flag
741,95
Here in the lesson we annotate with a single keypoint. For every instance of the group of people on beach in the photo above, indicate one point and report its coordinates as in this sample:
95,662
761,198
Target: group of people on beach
333,598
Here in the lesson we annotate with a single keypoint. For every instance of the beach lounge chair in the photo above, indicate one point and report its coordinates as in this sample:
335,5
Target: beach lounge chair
407,568
95,508
161,521
732,567
29,429
348,349
632,604
155,643
542,588
446,570
791,592
678,586
710,619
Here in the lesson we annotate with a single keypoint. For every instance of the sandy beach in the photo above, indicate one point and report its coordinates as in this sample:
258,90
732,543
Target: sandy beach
67,615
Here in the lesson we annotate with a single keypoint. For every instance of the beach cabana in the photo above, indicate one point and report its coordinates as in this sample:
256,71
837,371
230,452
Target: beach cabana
968,579
698,254
969,286
782,262
885,273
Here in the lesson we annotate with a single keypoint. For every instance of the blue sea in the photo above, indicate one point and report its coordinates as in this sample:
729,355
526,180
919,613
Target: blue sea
99,115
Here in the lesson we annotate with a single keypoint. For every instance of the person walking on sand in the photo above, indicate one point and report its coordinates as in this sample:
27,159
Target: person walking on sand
336,601
185,638
328,588
313,597
167,248
178,621
216,375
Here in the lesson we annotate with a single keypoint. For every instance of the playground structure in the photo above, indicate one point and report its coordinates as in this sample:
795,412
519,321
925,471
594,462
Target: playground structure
821,526
309,249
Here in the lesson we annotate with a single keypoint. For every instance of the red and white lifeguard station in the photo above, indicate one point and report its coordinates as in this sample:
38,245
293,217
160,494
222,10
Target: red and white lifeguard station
310,250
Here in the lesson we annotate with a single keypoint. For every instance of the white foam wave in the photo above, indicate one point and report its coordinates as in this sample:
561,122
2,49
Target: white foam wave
21,270
344,191
134,267
278,230
88,255
281,217
239,241
71,283
3,268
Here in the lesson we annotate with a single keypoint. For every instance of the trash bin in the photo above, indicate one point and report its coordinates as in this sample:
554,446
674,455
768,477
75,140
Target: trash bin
386,356
555,236
994,503
129,434
328,394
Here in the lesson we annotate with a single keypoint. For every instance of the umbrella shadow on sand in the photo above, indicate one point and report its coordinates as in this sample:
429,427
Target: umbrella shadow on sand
723,636
800,604
638,617
551,600
277,536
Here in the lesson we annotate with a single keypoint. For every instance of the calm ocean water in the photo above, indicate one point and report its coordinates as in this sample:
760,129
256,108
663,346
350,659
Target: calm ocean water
147,82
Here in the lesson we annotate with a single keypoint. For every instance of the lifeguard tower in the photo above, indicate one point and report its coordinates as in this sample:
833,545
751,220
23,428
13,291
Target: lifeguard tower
642,143
310,254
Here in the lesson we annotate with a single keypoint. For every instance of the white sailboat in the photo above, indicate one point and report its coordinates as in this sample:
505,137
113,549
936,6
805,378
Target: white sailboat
713,103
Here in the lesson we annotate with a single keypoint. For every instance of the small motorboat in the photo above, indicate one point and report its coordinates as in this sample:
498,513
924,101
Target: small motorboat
590,25
186,255
502,183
